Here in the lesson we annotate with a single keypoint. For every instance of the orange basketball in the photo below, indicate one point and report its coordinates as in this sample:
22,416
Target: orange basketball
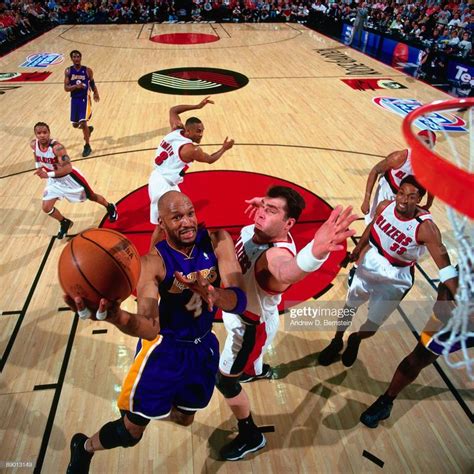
99,263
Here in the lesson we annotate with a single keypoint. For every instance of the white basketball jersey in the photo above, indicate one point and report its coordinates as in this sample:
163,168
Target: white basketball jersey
394,176
261,303
167,157
46,159
396,238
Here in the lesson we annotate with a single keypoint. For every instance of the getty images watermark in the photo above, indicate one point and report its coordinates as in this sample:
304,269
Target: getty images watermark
393,316
320,315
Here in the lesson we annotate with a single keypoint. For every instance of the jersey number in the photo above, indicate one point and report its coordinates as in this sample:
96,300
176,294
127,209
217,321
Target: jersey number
194,305
396,248
161,157
400,174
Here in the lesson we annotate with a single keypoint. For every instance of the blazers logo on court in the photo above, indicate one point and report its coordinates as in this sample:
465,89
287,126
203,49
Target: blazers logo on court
371,84
23,76
435,121
193,81
43,60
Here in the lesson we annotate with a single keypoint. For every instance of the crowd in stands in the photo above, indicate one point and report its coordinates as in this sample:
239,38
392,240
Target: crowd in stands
448,24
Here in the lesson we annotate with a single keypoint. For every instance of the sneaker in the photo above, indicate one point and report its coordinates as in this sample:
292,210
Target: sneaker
267,373
350,277
379,410
350,354
331,353
241,446
112,212
65,225
87,150
80,458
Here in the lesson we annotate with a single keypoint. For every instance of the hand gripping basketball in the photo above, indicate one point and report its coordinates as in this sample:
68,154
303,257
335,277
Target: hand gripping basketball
107,309
96,265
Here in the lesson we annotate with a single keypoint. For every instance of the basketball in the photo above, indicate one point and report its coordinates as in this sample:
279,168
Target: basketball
99,263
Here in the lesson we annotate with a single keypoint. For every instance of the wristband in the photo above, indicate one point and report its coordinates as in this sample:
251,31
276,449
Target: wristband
51,174
447,273
306,261
241,304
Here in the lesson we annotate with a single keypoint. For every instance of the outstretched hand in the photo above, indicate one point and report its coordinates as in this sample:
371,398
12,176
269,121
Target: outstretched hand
333,232
201,287
204,102
228,144
254,204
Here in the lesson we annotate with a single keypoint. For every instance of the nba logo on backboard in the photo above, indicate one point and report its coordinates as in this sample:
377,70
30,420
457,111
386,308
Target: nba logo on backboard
43,60
436,122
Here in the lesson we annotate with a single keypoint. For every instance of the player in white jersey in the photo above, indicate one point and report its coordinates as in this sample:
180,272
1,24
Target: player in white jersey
174,155
63,180
392,170
397,237
267,256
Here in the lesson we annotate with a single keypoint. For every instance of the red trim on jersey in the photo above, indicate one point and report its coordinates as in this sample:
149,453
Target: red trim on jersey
80,179
267,290
375,240
419,224
251,316
179,153
260,339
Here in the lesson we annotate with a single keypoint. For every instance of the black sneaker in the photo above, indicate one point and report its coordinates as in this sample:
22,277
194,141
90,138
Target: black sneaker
267,373
350,354
80,458
65,225
330,354
379,410
350,277
112,212
241,446
87,150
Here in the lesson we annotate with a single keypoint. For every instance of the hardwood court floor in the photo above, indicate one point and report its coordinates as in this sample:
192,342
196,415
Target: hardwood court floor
295,119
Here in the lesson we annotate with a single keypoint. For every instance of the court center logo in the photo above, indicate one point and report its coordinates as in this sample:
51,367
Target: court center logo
193,81
435,121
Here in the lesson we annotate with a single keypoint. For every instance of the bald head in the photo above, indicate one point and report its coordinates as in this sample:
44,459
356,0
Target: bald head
170,200
177,218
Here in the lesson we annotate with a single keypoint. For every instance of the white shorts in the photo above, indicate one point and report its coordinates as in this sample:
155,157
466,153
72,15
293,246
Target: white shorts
381,284
382,193
73,187
157,186
246,344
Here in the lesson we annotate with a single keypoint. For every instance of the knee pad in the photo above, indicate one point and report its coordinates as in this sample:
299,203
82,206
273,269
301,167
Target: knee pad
229,386
115,433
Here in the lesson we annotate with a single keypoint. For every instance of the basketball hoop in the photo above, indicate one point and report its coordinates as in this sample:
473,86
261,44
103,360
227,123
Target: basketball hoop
452,180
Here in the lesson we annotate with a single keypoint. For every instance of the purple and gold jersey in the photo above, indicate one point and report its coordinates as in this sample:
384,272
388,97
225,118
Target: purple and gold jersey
183,314
178,368
77,76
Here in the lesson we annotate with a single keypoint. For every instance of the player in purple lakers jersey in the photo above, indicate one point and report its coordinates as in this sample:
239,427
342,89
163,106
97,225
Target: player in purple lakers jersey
428,349
79,81
176,362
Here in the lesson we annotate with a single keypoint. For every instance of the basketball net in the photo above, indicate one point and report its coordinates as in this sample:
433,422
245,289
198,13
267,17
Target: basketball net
448,173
